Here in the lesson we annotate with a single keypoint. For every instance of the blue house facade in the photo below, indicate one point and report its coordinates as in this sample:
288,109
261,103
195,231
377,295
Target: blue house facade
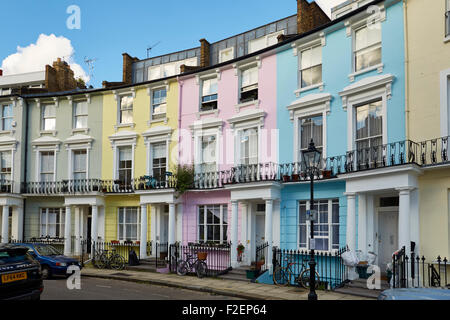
342,85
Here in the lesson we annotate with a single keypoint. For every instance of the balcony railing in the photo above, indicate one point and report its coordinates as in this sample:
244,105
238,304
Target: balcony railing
63,186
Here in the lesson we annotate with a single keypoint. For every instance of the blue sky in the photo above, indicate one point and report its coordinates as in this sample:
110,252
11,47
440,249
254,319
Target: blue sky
109,28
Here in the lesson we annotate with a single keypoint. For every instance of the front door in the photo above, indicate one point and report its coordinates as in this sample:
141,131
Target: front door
387,237
260,229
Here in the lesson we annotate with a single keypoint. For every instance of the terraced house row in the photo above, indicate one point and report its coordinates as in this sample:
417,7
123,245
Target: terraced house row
369,86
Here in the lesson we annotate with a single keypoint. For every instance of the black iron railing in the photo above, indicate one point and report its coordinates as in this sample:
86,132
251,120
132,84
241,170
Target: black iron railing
329,265
57,243
218,257
415,271
6,186
95,248
260,258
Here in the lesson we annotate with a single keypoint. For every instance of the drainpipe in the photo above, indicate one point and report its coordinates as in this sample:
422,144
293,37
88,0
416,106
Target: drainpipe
406,42
25,164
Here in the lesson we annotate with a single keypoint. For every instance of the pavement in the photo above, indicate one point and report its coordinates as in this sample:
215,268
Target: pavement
229,288
107,289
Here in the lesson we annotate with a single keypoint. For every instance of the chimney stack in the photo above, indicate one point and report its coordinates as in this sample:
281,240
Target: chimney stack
127,75
205,53
309,16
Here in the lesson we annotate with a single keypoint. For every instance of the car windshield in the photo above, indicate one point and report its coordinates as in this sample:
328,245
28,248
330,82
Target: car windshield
47,250
12,256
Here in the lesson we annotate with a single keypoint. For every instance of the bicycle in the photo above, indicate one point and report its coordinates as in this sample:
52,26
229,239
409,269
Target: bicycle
111,260
190,264
282,275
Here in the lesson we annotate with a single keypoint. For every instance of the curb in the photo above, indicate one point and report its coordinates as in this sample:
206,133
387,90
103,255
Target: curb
188,287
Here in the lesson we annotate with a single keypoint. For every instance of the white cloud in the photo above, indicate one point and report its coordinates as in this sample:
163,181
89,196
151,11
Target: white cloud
35,56
326,5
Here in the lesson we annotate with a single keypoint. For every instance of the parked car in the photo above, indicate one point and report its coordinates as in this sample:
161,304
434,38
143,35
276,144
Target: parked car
20,274
52,261
415,294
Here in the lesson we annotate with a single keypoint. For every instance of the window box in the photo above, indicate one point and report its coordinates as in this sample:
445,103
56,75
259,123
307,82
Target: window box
295,177
115,242
286,178
326,174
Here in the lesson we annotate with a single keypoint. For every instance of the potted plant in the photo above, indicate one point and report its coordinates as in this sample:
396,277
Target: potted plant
240,249
260,263
202,255
326,174
295,177
115,241
286,178
184,177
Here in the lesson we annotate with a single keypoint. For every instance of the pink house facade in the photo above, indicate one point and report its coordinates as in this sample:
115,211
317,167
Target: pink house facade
228,130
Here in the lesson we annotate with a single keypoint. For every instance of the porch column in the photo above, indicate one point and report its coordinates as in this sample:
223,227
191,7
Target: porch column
268,233
153,228
77,231
20,223
94,225
351,220
5,224
404,225
144,222
171,223
68,232
234,233
362,223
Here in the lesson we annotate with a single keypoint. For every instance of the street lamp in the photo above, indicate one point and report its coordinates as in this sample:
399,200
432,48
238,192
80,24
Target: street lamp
311,160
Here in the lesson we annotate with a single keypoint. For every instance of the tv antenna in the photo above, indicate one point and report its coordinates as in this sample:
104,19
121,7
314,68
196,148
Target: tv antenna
149,48
90,64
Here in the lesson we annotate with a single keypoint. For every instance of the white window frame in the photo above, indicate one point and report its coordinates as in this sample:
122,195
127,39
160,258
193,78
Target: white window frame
150,89
43,118
3,105
138,224
75,116
203,79
238,68
368,138
118,96
308,225
176,65
118,161
39,169
86,170
160,134
198,152
11,165
62,218
300,70
151,146
225,50
445,102
205,225
126,140
266,40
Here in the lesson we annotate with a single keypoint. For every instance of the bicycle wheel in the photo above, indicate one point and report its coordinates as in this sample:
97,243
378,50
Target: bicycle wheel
304,279
182,269
100,261
280,276
117,262
201,269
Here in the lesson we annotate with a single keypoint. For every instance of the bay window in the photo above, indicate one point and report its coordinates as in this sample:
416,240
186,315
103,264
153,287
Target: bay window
326,227
52,222
367,47
209,95
128,224
212,223
311,66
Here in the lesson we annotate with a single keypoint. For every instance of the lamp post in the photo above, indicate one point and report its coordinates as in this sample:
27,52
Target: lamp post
311,160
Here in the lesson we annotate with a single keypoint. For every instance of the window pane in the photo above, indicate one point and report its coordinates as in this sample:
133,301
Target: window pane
209,87
375,117
124,154
335,216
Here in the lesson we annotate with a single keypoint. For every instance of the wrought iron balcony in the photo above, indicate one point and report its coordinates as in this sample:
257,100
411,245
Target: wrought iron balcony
140,184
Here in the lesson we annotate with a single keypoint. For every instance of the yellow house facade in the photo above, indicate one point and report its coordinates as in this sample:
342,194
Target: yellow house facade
139,137
428,116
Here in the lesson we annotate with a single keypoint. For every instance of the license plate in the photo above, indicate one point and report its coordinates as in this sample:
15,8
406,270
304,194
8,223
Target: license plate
14,277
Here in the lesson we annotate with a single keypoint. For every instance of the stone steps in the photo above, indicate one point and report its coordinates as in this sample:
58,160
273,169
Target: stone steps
359,288
239,274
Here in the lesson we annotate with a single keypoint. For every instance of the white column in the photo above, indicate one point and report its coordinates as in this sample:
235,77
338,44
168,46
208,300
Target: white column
77,231
362,223
269,233
370,223
153,228
244,237
5,224
144,223
404,234
351,220
19,211
234,233
94,223
172,223
67,232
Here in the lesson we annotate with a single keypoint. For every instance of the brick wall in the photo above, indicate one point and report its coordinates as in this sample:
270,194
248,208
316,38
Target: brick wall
127,76
309,16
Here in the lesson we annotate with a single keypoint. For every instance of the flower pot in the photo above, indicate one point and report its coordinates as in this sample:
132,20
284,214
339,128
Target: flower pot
251,274
295,177
259,264
286,178
326,174
115,242
202,255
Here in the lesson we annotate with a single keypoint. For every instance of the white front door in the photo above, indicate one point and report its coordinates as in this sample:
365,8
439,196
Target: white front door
260,229
387,237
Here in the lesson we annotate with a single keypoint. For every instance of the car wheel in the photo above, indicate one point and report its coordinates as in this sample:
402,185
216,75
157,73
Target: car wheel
46,273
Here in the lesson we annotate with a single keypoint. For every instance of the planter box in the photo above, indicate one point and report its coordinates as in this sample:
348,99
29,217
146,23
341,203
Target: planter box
251,274
326,174
286,178
295,177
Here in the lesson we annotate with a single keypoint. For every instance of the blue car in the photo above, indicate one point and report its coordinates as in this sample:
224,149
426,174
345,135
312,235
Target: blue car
52,262
415,294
